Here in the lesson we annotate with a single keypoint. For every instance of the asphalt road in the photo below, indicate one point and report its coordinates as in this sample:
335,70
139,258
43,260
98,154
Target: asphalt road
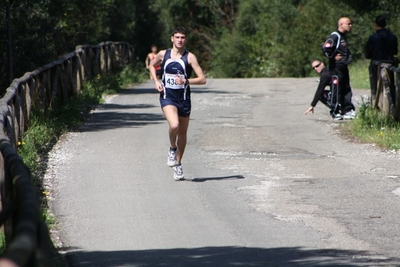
265,185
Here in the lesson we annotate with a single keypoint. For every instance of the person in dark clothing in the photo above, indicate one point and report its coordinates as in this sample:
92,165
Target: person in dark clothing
322,94
338,65
381,46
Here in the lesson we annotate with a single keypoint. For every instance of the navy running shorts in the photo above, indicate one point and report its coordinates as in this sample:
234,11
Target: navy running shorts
177,98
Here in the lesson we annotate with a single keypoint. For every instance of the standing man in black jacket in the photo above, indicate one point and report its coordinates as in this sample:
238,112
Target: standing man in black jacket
381,46
338,66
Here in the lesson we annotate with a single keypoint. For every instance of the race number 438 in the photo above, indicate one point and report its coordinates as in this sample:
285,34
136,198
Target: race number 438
170,81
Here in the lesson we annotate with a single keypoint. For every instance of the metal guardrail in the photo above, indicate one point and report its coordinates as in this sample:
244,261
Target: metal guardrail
386,96
47,88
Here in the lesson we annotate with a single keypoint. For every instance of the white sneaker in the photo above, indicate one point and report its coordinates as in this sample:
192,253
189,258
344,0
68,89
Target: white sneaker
178,172
171,157
349,115
337,117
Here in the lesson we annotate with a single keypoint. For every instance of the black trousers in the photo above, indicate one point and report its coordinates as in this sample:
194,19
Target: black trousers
345,92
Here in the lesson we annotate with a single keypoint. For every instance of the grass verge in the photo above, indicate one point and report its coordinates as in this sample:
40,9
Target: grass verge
359,75
371,126
45,129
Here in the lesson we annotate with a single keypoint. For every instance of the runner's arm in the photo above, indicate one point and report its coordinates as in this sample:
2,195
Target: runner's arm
156,61
201,78
147,61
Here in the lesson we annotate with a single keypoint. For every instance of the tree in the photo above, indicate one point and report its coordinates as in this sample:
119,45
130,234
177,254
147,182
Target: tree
205,20
44,30
232,38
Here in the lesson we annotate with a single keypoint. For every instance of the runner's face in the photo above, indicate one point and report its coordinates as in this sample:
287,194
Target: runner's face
178,40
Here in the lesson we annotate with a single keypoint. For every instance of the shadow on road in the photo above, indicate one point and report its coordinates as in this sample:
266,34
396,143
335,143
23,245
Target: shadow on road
228,256
99,121
137,91
203,179
119,106
152,90
108,115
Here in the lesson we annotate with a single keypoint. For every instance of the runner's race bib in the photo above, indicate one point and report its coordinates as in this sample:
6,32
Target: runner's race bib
170,81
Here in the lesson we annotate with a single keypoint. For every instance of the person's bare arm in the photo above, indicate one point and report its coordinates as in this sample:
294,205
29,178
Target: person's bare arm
310,109
4,262
156,61
147,61
201,78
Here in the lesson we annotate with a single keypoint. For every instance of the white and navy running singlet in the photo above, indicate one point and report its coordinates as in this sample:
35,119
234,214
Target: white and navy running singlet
174,94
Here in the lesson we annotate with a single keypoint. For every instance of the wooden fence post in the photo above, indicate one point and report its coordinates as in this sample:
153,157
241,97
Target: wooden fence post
387,97
42,90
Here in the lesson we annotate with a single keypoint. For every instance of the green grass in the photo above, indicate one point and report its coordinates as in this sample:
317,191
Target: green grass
2,244
45,128
130,76
359,75
371,126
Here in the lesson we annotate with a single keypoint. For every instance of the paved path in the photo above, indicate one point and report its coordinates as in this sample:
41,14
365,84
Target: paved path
265,185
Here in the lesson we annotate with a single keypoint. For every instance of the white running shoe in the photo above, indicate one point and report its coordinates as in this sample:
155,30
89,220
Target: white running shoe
171,157
349,115
337,117
178,172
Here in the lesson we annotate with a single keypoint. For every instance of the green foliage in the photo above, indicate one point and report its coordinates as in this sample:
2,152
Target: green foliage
205,21
94,90
48,218
36,141
371,126
240,52
43,30
44,130
131,75
359,75
231,38
228,63
2,243
280,38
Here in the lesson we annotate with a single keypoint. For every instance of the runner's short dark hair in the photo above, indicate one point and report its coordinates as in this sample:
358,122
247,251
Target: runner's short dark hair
181,30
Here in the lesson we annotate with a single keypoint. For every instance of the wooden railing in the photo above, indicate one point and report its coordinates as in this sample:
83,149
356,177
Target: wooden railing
385,95
45,89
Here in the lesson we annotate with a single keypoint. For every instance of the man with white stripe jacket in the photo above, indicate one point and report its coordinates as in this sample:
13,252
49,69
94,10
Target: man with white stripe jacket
338,66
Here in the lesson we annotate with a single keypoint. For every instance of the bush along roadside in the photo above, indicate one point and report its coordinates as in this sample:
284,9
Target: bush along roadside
371,126
45,130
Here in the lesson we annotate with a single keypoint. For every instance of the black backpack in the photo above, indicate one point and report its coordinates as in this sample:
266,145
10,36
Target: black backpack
328,49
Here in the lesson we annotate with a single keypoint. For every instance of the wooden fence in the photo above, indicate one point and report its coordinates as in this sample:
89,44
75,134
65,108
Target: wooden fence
385,94
47,88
